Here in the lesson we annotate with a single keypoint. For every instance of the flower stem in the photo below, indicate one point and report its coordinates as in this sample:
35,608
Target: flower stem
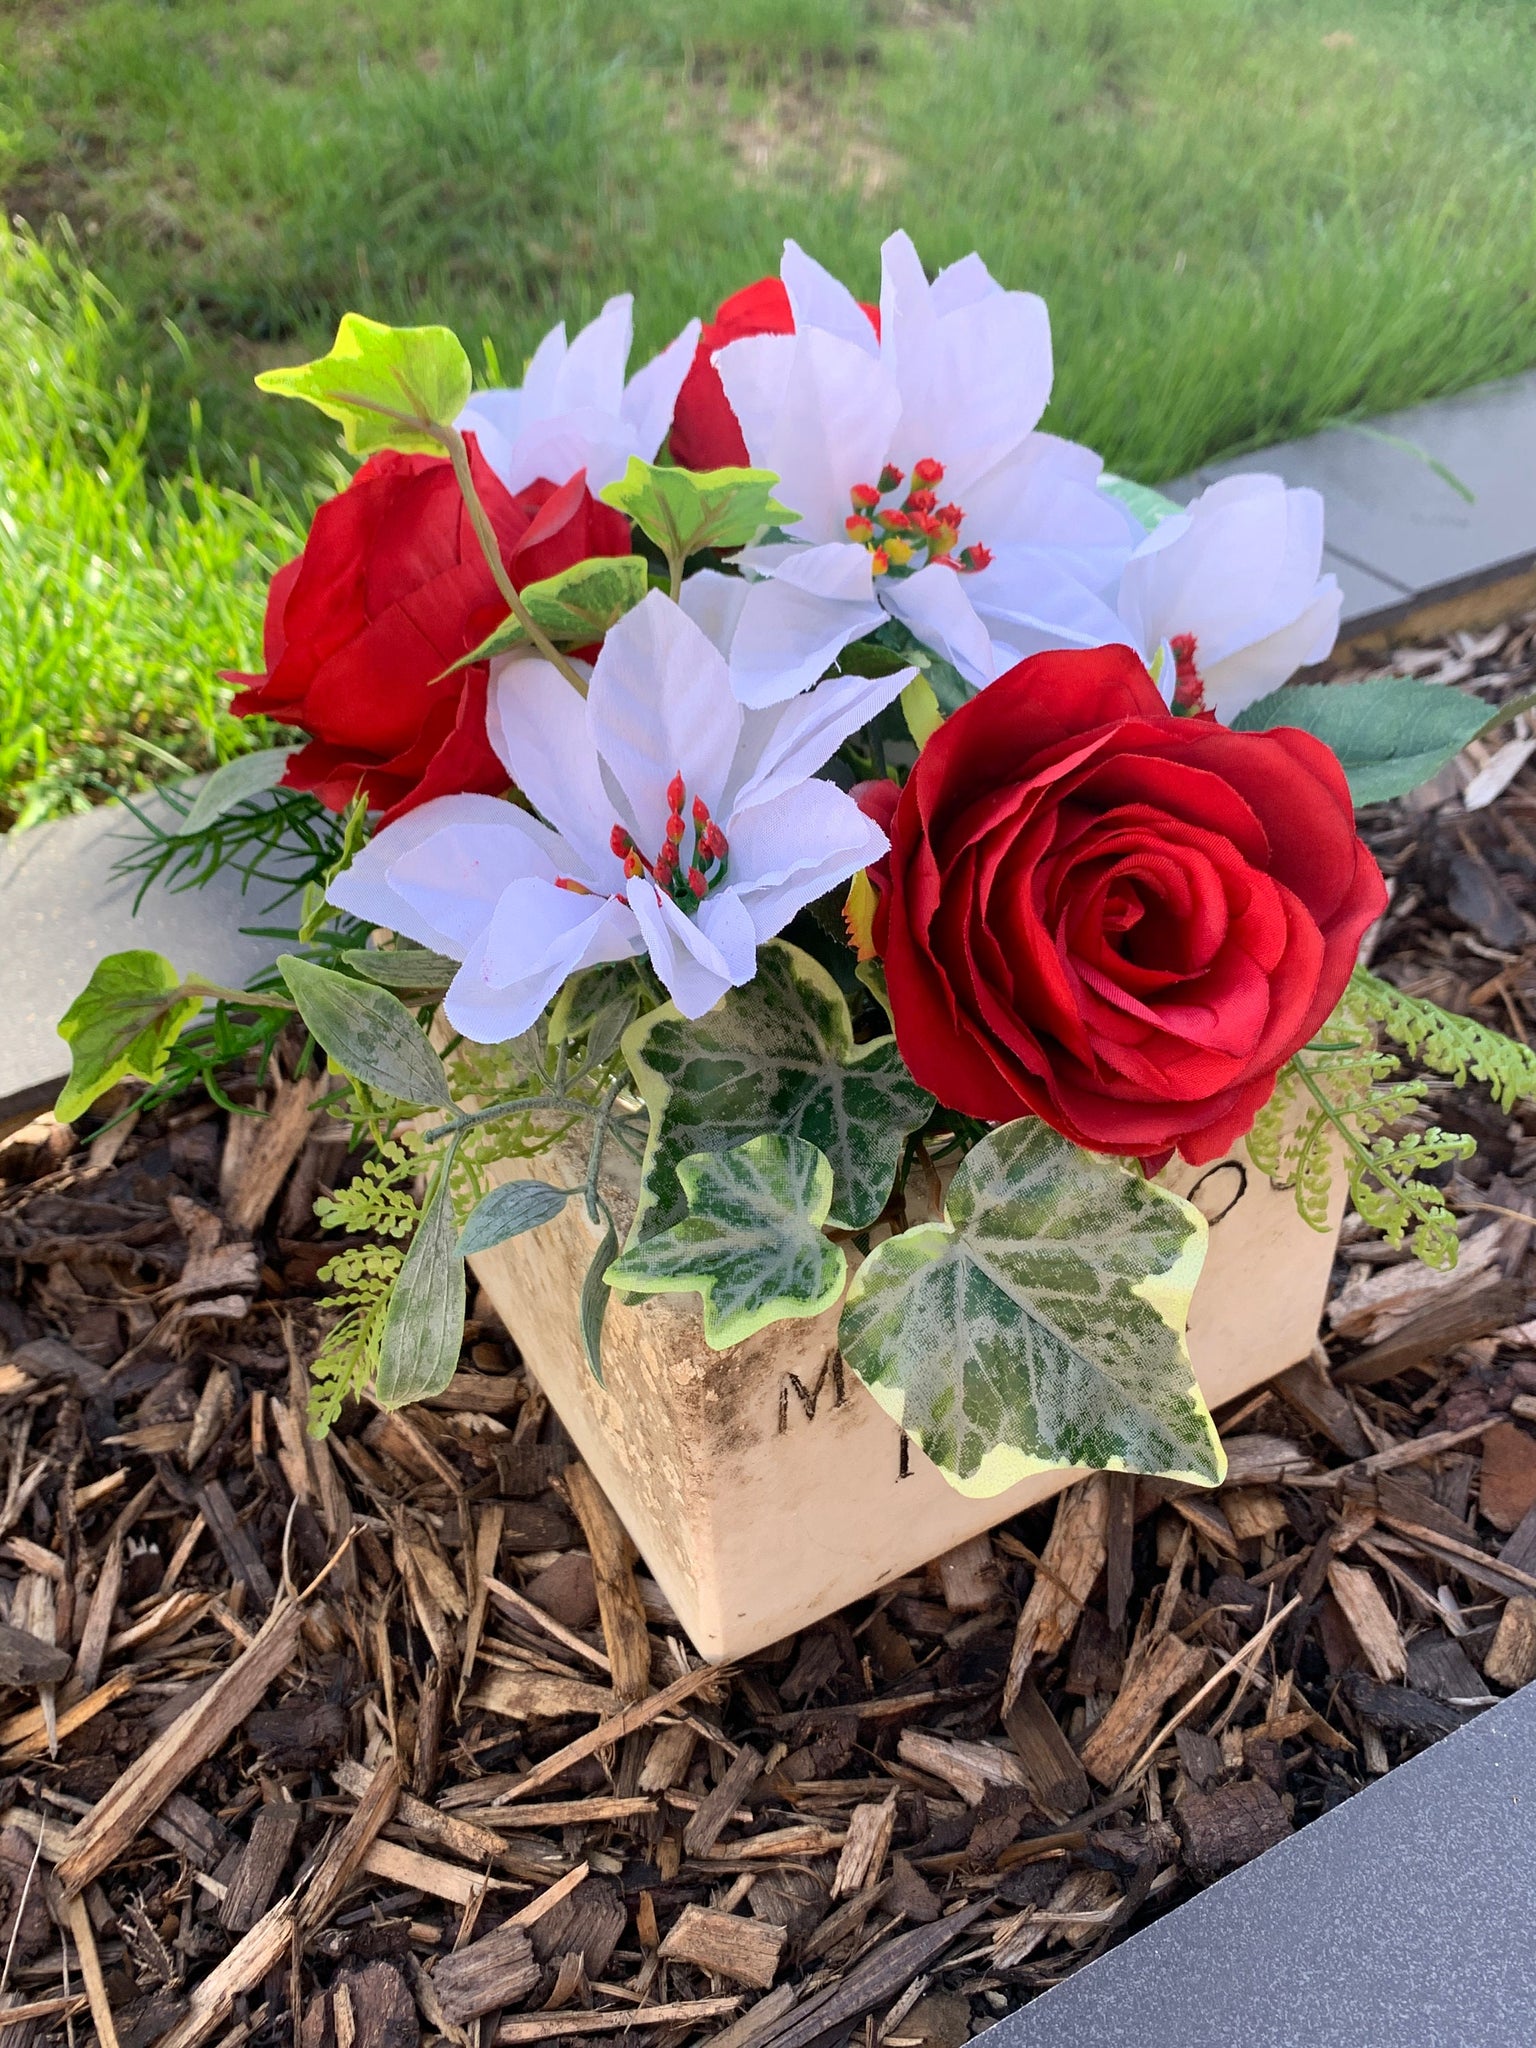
458,454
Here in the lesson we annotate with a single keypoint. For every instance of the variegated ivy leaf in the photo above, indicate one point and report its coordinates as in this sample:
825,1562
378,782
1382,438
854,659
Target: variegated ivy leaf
387,387
685,511
778,1055
751,1243
1042,1323
575,607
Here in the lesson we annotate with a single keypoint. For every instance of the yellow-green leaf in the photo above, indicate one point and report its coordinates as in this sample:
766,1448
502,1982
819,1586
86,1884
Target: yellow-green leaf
685,511
124,1021
386,386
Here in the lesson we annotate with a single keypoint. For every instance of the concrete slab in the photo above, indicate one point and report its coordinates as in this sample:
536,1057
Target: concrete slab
1398,524
62,910
1400,1920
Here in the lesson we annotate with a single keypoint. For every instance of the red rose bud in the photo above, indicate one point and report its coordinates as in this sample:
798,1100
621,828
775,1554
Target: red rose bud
363,632
700,812
865,497
667,861
620,844
895,522
676,791
858,528
697,884
890,477
714,842
1112,918
675,829
879,561
921,501
928,471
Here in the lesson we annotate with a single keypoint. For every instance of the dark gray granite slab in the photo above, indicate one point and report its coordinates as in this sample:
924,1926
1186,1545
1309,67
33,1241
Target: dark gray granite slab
1400,535
1403,1919
62,910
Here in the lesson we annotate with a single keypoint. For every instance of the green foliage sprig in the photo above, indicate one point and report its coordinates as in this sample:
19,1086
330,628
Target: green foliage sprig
1346,1092
378,1202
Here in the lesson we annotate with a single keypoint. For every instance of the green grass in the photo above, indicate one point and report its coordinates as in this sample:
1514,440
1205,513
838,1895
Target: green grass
1248,216
120,595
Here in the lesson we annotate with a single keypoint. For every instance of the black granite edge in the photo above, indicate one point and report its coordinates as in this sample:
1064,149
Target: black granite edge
1401,1919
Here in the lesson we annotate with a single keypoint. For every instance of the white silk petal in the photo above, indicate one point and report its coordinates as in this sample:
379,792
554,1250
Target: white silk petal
537,724
659,705
934,606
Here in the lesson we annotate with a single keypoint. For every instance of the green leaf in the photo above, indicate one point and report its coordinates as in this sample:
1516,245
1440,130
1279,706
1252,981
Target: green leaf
1150,507
124,1021
575,608
777,1055
685,511
416,969
595,1297
369,1033
1042,1323
387,386
424,1324
751,1243
247,775
508,1211
1391,733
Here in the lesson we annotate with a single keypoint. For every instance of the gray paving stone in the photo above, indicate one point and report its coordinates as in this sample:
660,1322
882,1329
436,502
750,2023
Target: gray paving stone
1400,1920
1395,520
62,909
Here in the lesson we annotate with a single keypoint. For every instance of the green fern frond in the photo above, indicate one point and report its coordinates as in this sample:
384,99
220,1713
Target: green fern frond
377,1203
1454,1046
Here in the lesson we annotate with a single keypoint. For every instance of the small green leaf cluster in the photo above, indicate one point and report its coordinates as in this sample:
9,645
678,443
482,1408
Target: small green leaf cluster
378,1202
1346,1095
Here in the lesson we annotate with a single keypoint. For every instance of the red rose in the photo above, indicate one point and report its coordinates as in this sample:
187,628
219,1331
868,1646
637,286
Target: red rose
1114,919
705,434
391,589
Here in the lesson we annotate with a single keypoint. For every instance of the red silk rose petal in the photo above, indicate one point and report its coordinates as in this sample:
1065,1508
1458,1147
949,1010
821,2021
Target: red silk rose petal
1120,921
391,591
705,432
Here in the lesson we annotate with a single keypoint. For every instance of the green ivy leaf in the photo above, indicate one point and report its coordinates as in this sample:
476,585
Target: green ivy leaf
1391,733
779,1056
685,511
124,1021
246,776
1042,1323
751,1243
424,1323
369,1033
387,386
507,1211
575,608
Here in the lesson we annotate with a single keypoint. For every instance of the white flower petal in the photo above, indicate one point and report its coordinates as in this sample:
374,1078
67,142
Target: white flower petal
934,605
454,880
650,397
787,636
962,284
1029,601
833,430
713,602
659,705
549,933
987,376
364,888
782,745
541,379
818,299
592,374
786,853
538,726
495,419
755,373
1260,668
693,970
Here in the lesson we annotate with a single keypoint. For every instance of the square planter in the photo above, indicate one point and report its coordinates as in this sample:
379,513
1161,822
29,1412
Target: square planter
764,1485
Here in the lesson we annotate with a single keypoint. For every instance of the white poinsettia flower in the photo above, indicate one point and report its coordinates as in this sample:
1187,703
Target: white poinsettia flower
1230,591
574,409
924,491
671,821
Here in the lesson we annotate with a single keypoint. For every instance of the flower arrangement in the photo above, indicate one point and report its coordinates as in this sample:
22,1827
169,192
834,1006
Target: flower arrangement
889,831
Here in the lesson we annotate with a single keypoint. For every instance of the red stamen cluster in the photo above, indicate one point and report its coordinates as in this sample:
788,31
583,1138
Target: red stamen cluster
917,532
1188,683
705,870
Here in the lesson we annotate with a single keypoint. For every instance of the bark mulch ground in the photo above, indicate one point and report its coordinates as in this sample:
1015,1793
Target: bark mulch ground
389,1739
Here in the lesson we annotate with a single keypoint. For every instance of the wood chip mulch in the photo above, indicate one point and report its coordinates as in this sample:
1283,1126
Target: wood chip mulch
393,1734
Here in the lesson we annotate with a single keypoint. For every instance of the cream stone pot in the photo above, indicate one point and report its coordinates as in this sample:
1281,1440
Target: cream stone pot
764,1485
